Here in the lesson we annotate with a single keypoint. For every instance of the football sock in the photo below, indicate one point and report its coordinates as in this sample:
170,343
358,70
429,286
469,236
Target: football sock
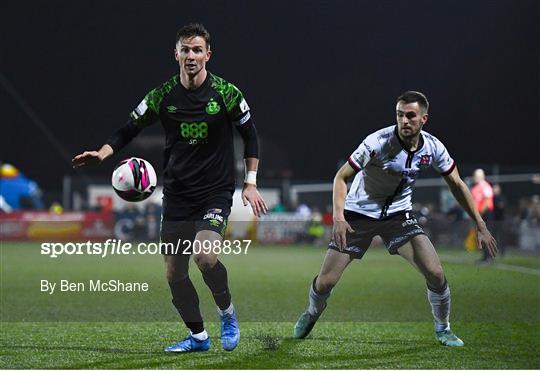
186,302
201,336
216,280
229,310
317,300
439,298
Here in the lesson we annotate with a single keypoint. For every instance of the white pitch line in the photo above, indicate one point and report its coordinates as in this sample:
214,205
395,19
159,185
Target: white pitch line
501,266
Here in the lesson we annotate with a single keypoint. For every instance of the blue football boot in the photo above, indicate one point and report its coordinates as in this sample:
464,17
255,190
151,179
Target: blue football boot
448,338
304,325
230,333
190,344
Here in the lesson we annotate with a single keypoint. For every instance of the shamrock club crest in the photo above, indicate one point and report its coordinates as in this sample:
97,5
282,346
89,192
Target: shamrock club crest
212,107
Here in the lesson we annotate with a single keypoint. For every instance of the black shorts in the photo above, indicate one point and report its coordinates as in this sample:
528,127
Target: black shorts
181,222
395,230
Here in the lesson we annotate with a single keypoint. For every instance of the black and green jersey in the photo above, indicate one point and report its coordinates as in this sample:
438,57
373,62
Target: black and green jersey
198,124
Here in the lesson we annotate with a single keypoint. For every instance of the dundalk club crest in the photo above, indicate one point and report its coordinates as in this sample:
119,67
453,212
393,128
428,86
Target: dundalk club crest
425,160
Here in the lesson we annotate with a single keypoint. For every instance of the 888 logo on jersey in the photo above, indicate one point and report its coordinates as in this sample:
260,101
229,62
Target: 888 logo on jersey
194,132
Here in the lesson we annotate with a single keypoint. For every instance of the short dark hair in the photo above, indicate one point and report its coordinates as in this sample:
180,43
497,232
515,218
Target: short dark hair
412,96
191,30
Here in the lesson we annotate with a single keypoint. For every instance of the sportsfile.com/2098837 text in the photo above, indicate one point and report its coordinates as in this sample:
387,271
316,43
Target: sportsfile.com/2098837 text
118,247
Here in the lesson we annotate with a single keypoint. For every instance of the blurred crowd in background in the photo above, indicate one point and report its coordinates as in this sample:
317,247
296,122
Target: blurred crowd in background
515,225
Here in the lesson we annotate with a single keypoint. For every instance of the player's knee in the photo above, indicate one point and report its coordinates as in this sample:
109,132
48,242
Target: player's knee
325,283
173,275
435,276
205,261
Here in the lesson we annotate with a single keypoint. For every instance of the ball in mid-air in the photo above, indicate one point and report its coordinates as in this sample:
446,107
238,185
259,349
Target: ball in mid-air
134,179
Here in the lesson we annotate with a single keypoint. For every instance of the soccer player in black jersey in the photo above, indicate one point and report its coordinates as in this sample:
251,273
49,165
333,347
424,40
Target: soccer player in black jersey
197,110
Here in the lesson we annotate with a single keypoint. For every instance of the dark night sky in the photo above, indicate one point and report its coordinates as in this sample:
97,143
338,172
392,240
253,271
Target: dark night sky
319,75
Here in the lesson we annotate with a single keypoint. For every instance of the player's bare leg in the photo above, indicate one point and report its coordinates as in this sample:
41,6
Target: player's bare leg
332,268
215,276
206,239
421,254
320,289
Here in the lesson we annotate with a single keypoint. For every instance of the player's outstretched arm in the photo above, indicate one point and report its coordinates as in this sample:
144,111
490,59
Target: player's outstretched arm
250,194
92,157
115,143
462,194
341,227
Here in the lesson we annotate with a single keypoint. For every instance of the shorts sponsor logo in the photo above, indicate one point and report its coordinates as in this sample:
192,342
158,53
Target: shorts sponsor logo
214,219
407,222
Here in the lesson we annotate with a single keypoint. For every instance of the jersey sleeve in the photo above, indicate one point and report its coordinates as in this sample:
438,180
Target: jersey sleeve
366,151
235,103
147,112
237,107
143,115
442,162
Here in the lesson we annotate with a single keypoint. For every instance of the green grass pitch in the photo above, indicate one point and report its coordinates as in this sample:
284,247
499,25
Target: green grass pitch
378,315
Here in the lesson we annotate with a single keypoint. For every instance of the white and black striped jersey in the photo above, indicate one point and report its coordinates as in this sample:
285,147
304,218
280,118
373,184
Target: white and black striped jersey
386,172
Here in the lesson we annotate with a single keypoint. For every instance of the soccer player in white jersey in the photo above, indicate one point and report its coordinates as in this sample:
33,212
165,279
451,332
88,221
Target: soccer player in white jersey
385,167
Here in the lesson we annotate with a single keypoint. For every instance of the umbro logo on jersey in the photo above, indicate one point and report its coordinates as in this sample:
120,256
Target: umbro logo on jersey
172,109
212,107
